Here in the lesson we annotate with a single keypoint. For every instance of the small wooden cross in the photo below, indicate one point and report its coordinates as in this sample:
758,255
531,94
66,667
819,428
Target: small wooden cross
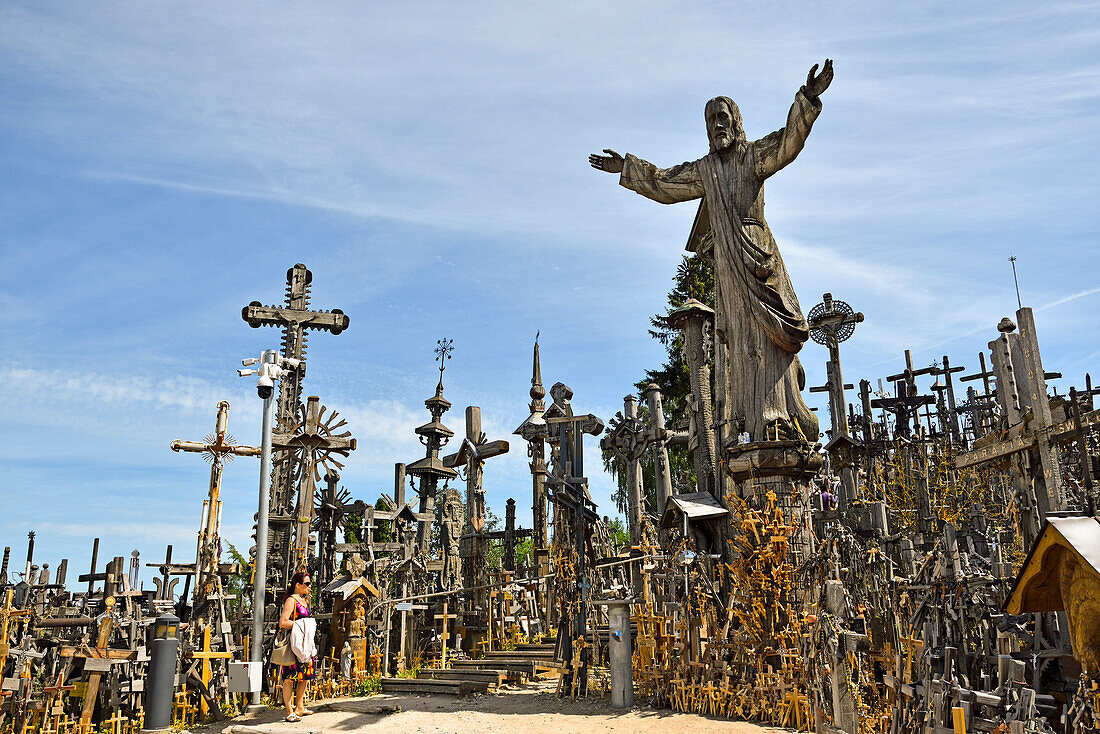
115,722
911,644
205,656
56,697
445,617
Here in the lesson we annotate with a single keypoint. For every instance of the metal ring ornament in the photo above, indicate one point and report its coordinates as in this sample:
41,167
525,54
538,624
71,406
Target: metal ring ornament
820,333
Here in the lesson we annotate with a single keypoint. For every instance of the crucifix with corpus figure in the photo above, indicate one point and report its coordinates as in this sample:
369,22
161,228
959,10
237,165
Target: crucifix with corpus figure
472,455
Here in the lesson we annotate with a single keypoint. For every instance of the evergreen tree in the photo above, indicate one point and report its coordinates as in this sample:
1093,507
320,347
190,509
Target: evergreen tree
694,279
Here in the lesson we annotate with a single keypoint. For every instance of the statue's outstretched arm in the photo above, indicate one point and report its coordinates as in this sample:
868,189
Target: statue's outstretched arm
664,185
777,150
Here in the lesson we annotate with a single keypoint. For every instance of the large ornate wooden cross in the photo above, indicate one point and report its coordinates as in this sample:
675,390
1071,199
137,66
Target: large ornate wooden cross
217,448
295,319
316,444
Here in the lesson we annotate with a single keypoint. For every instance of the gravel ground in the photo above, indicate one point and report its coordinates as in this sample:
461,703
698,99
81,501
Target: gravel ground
528,709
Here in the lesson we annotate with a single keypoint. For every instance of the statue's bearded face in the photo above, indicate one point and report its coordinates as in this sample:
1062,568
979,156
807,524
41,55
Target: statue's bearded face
724,127
720,127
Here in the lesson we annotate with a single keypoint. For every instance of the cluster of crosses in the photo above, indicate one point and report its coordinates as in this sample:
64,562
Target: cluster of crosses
888,546
899,550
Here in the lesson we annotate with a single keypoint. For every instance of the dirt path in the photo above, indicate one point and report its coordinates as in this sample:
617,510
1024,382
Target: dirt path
529,709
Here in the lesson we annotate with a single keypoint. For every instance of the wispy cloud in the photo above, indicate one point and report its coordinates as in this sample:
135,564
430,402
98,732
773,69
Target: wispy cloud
1067,299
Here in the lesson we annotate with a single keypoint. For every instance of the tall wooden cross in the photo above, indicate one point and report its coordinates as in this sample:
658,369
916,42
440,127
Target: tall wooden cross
295,318
473,453
217,448
332,510
569,487
949,388
831,322
316,444
906,404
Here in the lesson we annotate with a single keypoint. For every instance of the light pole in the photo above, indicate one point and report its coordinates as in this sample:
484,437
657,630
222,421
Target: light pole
272,366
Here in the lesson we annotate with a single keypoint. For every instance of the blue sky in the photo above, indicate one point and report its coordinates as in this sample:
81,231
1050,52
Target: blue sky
165,163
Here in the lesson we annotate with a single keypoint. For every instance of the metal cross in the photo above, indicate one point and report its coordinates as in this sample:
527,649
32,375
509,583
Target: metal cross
444,349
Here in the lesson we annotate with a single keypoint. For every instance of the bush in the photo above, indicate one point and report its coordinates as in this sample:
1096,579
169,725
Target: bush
368,686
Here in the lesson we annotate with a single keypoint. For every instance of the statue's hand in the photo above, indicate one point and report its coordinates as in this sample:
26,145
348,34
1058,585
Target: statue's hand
612,162
818,83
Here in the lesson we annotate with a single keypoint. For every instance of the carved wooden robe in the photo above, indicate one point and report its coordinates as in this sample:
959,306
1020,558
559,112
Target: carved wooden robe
760,326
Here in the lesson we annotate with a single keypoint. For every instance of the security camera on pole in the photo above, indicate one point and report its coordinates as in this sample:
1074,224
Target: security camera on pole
272,367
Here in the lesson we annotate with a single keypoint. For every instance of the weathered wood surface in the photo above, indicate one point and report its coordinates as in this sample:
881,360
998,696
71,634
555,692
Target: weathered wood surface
373,705
1012,444
460,688
492,678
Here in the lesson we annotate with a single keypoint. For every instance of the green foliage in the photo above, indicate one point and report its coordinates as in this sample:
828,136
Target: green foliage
239,584
409,672
353,529
382,530
369,686
353,525
492,521
525,553
619,535
694,279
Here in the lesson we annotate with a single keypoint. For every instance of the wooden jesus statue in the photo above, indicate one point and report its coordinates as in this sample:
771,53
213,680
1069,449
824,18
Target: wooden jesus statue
760,327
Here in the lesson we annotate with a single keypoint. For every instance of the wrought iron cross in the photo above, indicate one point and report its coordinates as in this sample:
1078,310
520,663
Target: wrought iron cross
443,352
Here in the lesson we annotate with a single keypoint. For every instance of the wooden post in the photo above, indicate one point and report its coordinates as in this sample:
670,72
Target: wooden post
402,663
96,677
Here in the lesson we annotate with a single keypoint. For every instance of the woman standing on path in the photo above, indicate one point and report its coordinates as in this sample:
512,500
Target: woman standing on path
297,676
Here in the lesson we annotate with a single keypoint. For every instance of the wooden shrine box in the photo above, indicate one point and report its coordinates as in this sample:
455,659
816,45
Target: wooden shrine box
352,600
1062,573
